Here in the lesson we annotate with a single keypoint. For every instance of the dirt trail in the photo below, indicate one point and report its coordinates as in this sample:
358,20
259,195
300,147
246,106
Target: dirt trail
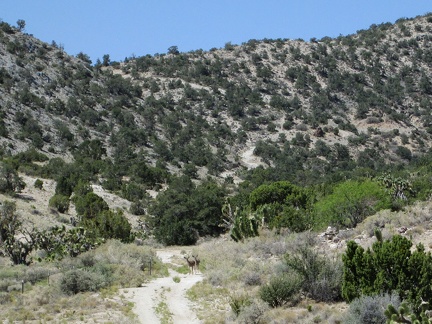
162,293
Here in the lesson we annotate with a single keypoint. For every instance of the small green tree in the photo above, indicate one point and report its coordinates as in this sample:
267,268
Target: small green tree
38,184
59,202
90,205
350,202
184,211
111,225
106,60
282,204
10,182
21,24
173,50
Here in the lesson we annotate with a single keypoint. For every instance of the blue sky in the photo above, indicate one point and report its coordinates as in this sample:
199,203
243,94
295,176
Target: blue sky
139,27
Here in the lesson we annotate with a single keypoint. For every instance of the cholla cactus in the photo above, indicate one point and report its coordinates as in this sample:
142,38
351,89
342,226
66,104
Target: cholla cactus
397,187
405,315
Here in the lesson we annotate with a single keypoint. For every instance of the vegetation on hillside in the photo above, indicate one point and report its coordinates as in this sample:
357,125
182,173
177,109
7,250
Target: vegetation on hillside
340,129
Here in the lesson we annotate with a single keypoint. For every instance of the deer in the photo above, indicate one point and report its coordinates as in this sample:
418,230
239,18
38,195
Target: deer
197,262
191,264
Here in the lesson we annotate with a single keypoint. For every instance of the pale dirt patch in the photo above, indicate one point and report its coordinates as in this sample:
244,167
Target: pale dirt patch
165,290
248,159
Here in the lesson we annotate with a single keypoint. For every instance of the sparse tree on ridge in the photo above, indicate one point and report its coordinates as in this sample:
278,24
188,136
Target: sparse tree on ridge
21,24
173,50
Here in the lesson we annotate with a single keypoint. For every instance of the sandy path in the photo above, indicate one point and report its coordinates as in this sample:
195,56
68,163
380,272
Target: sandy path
164,291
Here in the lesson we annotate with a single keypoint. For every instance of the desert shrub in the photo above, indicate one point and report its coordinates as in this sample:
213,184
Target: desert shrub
404,153
253,312
130,263
77,280
9,180
281,290
252,279
5,298
36,273
217,277
176,279
38,184
59,202
5,283
370,309
321,276
137,208
238,302
327,287
88,259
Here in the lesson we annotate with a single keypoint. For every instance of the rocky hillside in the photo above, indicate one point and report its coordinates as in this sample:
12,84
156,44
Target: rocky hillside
363,97
270,138
308,112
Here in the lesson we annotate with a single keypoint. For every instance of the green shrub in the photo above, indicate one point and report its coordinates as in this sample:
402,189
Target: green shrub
350,203
90,205
282,204
9,180
404,153
389,266
59,202
38,184
137,208
109,225
281,290
77,280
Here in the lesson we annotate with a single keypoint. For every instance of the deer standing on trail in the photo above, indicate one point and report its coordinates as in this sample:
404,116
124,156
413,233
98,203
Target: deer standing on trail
191,264
197,262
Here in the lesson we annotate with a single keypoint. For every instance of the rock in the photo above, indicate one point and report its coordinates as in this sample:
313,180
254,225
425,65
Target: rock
402,230
330,233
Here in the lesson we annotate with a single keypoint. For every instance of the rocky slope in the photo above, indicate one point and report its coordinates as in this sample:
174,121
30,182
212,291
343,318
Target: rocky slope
369,92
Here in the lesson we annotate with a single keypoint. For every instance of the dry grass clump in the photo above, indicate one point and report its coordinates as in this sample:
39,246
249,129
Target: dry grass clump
210,300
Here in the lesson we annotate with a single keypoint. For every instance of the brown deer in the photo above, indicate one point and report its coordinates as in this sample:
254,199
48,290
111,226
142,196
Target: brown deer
197,263
191,264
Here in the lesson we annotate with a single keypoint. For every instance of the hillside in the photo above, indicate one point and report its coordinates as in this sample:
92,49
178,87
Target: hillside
244,154
369,92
